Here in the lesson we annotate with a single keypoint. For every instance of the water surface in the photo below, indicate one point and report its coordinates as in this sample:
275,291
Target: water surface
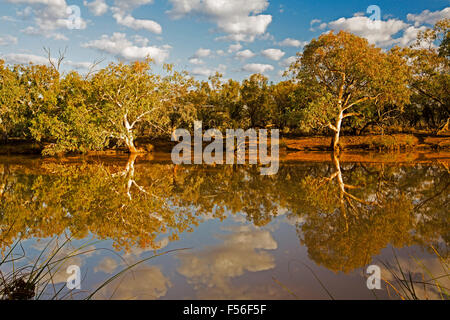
308,232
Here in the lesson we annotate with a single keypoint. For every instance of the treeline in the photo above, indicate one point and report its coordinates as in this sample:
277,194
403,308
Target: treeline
339,83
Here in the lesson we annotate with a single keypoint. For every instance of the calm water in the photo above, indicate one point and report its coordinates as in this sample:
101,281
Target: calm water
245,236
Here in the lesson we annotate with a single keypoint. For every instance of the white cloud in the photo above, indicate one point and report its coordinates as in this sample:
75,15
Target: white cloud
202,53
428,17
285,64
37,32
144,283
257,68
137,24
207,72
317,22
23,58
241,20
409,36
196,61
130,5
141,41
288,61
380,34
8,18
97,7
385,33
242,251
234,47
245,54
107,265
78,65
288,42
50,15
121,47
122,14
7,40
273,54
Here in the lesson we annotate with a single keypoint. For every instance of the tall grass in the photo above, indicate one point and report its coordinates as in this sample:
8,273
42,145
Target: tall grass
419,284
35,280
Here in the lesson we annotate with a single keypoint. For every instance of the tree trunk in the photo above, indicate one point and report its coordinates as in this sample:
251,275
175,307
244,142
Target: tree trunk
129,141
335,142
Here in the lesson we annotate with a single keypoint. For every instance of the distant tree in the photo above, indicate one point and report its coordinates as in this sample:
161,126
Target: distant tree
69,125
281,103
255,99
231,99
343,72
430,80
10,95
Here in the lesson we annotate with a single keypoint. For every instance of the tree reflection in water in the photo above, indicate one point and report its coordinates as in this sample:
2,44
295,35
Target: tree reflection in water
349,211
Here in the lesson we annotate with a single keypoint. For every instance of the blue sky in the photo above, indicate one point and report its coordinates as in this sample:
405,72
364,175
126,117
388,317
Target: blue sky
235,37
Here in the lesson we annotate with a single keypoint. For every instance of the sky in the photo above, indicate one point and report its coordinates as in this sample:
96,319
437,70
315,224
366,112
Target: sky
234,37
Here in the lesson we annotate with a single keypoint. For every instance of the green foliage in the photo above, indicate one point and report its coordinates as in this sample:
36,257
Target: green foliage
430,77
339,82
345,72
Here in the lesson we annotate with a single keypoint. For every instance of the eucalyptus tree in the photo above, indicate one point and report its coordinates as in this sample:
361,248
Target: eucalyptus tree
10,93
125,96
343,74
429,61
255,99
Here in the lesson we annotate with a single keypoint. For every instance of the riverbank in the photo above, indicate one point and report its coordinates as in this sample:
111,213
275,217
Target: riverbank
394,142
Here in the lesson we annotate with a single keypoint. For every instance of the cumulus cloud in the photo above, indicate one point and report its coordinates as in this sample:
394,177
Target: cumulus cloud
122,14
245,54
257,68
97,7
234,47
49,16
428,17
285,64
137,24
78,65
288,61
119,46
380,34
107,265
389,32
288,42
196,61
24,58
207,72
130,5
145,282
240,20
37,32
202,53
273,54
7,40
243,250
317,24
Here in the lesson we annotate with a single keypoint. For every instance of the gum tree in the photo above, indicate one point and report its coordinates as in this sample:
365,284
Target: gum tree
126,96
344,74
430,80
10,93
255,98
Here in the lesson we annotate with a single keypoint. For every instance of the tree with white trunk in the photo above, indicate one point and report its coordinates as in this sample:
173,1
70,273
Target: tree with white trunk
126,96
342,75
